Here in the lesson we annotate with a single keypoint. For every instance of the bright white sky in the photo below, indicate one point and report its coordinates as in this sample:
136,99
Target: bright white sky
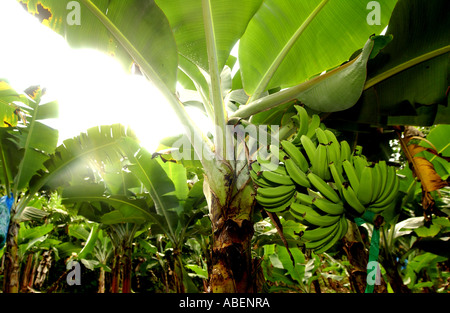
91,88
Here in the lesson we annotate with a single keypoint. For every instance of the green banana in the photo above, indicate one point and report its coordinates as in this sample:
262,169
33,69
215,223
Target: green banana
342,230
255,174
310,216
329,207
351,175
366,186
277,178
309,147
295,154
317,233
275,192
378,182
320,163
274,202
278,168
391,177
389,197
277,153
383,180
296,174
303,120
333,154
314,123
323,188
346,152
344,226
337,177
321,136
260,181
280,208
359,163
269,166
304,198
350,197
331,136
330,238
388,184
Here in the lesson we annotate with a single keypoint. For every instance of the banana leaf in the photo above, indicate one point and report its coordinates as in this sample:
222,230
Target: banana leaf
126,210
186,18
289,41
157,183
37,140
407,82
73,156
7,108
26,142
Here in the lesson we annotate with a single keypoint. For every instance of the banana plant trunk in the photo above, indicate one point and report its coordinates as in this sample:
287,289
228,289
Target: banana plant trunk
121,272
12,269
231,204
101,281
27,273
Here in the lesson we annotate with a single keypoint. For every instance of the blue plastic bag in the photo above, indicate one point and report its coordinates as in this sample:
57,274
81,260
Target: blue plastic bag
5,213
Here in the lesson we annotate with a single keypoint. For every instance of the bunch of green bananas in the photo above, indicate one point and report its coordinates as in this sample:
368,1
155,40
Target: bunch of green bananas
279,182
320,208
322,182
370,187
276,190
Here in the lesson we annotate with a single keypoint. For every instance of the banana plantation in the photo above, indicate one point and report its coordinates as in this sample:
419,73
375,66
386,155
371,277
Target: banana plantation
326,170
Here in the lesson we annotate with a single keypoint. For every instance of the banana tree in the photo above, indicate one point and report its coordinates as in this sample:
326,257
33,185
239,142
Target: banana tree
133,193
26,142
289,52
32,162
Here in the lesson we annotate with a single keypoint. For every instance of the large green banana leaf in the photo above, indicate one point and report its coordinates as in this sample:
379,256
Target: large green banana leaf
101,144
158,184
120,182
177,173
289,41
26,142
37,140
141,23
7,96
408,81
336,90
186,18
125,210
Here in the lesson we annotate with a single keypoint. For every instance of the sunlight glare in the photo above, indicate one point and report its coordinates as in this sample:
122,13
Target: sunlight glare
91,88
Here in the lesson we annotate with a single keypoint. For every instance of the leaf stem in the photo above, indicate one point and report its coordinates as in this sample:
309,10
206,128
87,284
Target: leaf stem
404,66
284,96
215,86
283,53
5,170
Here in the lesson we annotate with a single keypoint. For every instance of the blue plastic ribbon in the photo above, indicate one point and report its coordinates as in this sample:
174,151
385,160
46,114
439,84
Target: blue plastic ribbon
5,214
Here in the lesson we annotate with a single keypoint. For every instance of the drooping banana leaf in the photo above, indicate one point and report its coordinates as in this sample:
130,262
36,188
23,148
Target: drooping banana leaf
37,140
408,81
120,182
177,173
123,209
26,142
335,90
100,143
7,97
289,41
157,183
